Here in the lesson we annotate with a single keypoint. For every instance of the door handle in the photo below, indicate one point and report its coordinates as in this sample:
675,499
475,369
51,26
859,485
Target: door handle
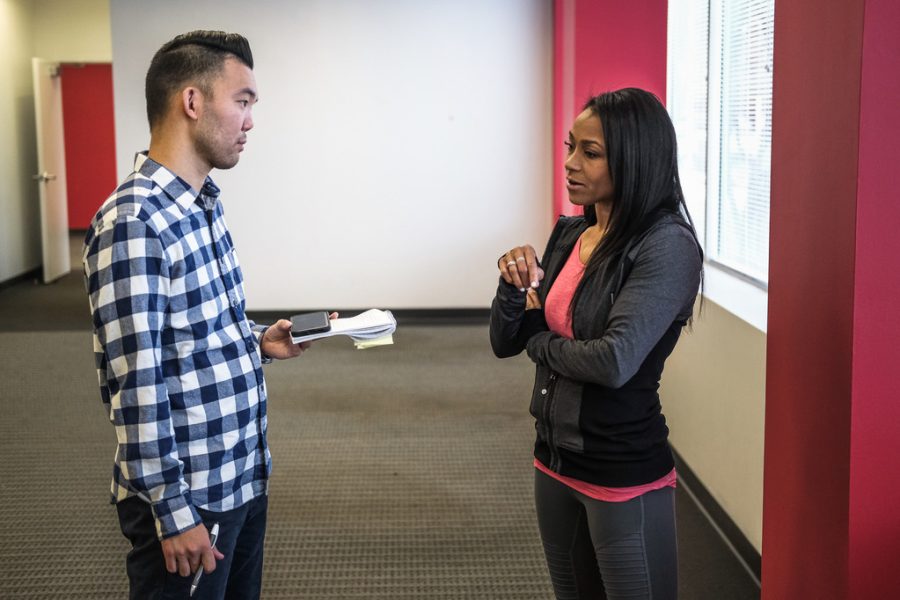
44,177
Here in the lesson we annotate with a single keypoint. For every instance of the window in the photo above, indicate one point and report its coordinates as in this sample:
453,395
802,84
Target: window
720,99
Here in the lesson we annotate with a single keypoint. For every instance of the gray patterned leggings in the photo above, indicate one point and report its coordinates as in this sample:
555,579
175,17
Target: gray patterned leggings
607,550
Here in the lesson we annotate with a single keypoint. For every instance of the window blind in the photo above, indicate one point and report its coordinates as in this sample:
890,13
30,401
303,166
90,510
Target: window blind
738,223
720,99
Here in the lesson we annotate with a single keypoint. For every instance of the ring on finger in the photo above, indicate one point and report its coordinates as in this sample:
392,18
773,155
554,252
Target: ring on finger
522,258
510,263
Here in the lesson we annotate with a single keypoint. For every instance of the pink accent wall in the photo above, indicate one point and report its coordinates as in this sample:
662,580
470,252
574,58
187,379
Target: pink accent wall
599,46
832,457
563,98
89,136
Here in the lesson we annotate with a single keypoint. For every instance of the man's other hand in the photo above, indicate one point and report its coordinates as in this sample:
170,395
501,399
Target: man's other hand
184,552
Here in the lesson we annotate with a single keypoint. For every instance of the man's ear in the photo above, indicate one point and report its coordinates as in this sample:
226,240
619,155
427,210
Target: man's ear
191,102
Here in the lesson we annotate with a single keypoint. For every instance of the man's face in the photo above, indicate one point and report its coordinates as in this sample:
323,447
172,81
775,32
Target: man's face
226,117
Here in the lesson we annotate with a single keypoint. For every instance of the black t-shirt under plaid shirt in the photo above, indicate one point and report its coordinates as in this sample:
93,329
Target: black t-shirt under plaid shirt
177,360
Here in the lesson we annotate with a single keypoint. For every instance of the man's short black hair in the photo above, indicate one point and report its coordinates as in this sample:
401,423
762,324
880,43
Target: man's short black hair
190,58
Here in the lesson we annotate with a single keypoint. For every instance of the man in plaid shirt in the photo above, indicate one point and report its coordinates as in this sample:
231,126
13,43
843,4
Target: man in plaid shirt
179,364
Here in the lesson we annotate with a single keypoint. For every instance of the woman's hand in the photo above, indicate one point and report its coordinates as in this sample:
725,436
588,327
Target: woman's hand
532,302
519,267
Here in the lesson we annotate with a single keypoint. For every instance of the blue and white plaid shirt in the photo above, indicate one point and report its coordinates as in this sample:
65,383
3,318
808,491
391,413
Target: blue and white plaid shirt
177,360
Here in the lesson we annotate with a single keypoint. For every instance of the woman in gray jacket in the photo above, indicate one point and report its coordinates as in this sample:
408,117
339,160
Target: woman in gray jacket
599,314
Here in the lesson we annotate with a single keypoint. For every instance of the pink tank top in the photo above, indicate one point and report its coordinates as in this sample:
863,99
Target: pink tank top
556,312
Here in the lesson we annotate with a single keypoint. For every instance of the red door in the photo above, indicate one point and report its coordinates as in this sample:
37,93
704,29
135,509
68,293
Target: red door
90,141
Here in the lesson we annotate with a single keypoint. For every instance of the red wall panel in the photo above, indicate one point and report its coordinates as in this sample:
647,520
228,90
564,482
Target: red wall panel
620,44
89,139
602,45
831,528
811,268
875,415
563,98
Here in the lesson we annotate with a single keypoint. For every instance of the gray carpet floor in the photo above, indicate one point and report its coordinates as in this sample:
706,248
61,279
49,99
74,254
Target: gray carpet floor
399,472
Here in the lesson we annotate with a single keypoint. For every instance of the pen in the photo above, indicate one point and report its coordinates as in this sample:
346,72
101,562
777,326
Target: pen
213,534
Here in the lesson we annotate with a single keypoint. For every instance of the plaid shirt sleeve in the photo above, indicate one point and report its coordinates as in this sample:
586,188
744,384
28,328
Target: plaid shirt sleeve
128,285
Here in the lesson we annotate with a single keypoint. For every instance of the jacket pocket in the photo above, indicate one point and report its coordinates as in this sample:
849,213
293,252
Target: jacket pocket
556,407
539,394
565,414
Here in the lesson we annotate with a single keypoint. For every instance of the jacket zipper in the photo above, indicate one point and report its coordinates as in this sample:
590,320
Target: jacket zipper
554,455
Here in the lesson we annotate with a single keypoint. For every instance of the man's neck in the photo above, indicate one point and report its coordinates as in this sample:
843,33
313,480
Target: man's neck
180,159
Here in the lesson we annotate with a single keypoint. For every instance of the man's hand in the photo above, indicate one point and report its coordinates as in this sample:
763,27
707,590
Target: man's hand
276,342
184,552
519,267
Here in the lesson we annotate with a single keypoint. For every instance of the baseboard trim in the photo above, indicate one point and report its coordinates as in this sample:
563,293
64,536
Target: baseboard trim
33,274
735,539
404,316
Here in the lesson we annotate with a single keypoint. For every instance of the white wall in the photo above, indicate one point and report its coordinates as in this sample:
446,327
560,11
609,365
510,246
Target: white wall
713,394
72,30
400,146
20,244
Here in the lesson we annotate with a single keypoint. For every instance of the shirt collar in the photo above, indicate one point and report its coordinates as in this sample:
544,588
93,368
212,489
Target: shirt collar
174,186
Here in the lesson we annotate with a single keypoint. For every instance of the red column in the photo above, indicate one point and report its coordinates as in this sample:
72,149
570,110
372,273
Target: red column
832,468
599,46
875,414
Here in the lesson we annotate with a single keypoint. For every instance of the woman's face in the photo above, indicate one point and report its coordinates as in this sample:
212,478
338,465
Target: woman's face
587,172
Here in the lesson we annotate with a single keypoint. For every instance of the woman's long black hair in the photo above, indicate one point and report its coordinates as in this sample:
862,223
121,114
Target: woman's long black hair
642,155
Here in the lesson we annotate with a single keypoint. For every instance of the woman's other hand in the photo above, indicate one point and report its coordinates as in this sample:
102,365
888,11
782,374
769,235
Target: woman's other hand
519,267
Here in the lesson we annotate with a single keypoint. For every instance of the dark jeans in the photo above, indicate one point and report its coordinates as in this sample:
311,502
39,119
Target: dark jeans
242,532
607,550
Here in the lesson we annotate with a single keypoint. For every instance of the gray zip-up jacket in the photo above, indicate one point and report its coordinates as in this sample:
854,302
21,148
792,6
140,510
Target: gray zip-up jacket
595,396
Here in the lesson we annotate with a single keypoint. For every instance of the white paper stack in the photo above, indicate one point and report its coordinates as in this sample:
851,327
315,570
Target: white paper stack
367,330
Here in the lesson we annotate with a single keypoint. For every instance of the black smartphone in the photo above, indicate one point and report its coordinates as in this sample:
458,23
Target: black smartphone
310,323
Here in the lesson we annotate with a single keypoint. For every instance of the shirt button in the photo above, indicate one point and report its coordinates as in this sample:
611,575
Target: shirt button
544,392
